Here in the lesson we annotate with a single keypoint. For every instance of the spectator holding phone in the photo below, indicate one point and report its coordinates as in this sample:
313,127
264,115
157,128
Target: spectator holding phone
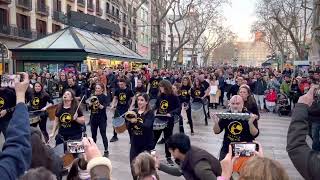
256,167
305,160
16,153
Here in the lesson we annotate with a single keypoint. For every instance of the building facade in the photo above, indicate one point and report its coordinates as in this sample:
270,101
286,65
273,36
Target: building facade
22,21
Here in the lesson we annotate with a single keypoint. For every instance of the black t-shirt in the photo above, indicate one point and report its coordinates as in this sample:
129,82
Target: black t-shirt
142,131
68,126
185,94
139,90
154,86
205,85
167,104
96,112
7,102
39,101
197,93
235,131
76,89
124,96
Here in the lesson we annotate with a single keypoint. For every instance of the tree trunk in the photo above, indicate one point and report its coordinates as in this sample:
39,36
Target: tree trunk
315,47
160,63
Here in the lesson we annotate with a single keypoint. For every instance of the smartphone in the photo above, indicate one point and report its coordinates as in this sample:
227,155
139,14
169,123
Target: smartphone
75,147
244,149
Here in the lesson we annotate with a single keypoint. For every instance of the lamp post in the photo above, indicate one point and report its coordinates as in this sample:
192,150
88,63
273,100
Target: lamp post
166,59
3,50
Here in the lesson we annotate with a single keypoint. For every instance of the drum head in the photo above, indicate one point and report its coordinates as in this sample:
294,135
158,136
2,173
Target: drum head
196,106
117,122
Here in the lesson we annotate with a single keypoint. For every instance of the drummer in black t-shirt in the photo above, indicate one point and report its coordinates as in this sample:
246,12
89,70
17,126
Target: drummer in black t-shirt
98,117
198,94
185,92
205,85
40,101
69,122
153,88
138,90
167,106
141,129
7,104
72,85
236,130
122,97
62,84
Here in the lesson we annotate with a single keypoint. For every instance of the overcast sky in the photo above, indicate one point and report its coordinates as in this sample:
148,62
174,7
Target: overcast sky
239,16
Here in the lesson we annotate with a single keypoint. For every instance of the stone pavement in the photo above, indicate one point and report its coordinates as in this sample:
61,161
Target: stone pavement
273,133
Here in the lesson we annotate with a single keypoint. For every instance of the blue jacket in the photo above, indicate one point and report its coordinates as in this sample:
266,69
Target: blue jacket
15,158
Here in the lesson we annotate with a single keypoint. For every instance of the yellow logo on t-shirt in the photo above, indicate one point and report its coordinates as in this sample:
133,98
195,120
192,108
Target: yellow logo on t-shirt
35,101
184,92
65,120
2,102
164,104
235,128
197,92
122,97
155,84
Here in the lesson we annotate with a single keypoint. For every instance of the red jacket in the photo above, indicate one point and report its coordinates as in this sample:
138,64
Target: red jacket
271,96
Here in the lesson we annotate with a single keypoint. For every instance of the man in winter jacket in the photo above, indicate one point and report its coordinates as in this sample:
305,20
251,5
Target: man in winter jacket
305,160
15,157
259,87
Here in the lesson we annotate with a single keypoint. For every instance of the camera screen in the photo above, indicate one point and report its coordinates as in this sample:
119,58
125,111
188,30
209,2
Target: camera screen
246,150
75,147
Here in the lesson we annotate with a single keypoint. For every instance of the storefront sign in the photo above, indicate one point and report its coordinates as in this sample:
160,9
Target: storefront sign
84,68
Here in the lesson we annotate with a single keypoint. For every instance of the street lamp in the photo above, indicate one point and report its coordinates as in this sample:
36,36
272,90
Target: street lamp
166,59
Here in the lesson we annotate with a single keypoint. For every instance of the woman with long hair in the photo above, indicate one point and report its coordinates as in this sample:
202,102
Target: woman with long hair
185,97
40,101
145,167
198,94
294,92
98,117
249,102
141,129
69,119
176,87
214,92
167,106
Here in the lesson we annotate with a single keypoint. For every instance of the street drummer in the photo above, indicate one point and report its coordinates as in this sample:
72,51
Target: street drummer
141,129
236,130
7,104
198,94
153,87
184,97
139,89
40,101
122,101
98,116
167,106
69,119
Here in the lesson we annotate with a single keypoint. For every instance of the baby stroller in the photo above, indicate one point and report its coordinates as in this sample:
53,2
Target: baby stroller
283,105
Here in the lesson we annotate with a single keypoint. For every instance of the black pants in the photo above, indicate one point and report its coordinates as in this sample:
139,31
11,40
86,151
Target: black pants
221,98
100,123
190,122
43,125
205,113
167,133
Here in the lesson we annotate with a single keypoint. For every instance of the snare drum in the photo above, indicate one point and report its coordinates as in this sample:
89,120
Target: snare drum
57,101
52,112
197,111
66,157
152,103
119,124
34,118
159,124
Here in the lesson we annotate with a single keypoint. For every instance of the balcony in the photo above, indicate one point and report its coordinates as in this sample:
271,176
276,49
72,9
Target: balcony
82,3
5,29
25,33
5,1
42,9
24,4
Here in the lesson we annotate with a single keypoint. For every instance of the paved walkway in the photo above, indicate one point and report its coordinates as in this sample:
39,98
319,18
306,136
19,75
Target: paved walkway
273,132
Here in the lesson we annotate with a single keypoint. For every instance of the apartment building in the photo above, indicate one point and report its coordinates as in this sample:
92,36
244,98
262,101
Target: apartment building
22,21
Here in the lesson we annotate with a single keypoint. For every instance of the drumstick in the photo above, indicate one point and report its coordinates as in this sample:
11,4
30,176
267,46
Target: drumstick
79,104
35,111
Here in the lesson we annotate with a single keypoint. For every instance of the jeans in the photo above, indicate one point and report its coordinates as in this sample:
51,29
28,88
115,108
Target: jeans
316,136
260,100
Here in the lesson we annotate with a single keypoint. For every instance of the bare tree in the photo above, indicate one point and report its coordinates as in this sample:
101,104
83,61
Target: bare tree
293,16
315,48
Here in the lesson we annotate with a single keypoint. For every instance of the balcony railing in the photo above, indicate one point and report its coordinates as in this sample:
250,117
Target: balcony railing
81,3
41,35
42,9
25,33
17,32
5,29
5,1
90,7
24,4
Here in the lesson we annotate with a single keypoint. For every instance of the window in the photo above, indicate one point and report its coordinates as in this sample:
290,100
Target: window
124,32
97,5
41,27
68,9
107,7
112,10
57,5
118,13
55,28
23,22
4,17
